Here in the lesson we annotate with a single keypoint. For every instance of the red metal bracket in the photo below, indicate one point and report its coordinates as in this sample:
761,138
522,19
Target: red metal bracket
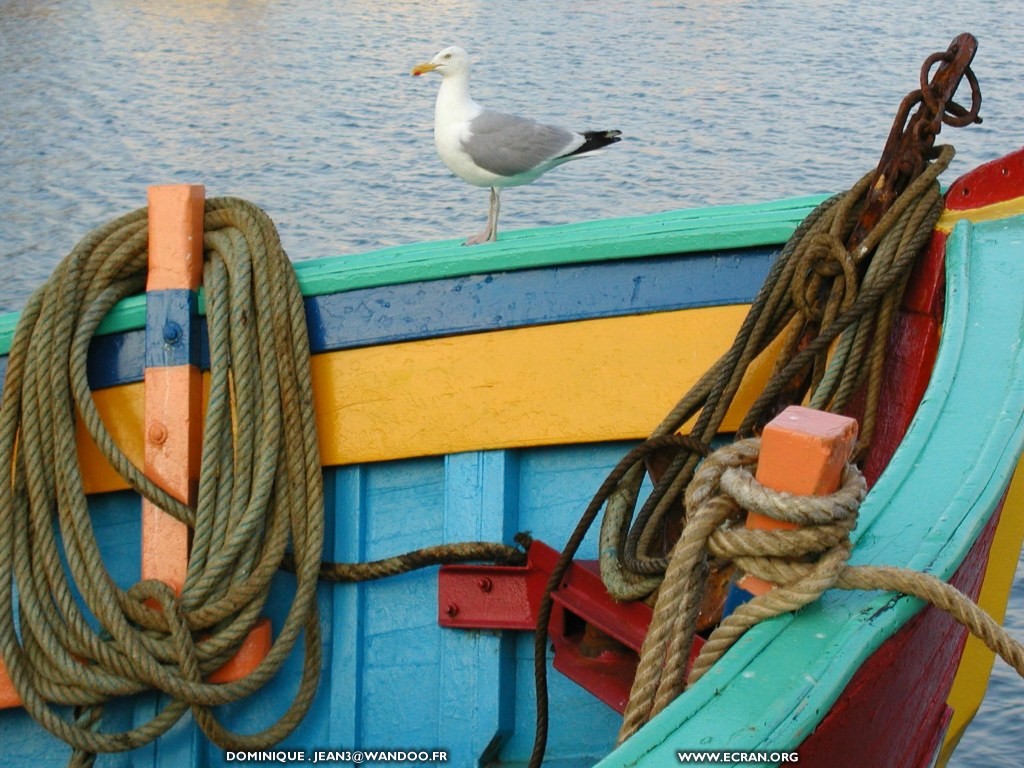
596,640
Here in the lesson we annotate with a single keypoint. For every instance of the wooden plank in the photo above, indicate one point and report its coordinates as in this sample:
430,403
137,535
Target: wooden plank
487,302
503,300
690,230
606,379
173,392
892,712
972,675
477,669
345,649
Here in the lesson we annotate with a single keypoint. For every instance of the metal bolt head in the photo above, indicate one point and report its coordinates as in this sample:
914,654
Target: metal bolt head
485,584
172,333
157,433
452,610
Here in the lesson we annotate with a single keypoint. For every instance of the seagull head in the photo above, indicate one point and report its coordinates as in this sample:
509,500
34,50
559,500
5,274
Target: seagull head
449,61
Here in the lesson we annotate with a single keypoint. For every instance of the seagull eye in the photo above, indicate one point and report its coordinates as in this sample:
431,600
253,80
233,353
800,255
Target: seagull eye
447,56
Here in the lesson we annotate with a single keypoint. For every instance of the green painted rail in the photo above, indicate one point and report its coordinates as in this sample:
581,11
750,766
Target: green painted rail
683,231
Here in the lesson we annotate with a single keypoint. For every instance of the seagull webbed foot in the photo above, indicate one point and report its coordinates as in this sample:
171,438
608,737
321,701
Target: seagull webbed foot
487,236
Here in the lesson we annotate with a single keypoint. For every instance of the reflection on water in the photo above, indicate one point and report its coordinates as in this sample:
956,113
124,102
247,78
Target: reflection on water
308,109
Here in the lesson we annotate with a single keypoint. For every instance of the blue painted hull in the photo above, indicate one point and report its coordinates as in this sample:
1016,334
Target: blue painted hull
393,680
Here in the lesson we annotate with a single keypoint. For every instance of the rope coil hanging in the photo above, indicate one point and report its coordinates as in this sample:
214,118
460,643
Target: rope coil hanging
830,312
858,312
260,504
260,491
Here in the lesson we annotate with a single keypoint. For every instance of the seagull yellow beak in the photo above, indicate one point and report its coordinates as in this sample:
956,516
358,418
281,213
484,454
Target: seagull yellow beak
419,69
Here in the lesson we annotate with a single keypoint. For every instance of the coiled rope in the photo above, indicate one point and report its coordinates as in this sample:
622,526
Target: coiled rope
260,492
817,294
802,563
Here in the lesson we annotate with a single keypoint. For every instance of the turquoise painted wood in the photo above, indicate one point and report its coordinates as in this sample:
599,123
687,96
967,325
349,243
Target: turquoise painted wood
686,231
946,478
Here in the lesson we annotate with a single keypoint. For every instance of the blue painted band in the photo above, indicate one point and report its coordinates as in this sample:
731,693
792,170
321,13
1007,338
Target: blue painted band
495,301
172,328
504,300
734,598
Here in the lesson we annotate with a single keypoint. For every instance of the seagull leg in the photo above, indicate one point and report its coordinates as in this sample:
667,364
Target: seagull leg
490,234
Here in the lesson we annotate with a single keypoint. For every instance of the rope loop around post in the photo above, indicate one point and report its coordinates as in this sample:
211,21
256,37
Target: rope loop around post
802,563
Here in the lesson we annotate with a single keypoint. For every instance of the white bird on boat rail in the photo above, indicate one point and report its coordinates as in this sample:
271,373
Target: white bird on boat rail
495,149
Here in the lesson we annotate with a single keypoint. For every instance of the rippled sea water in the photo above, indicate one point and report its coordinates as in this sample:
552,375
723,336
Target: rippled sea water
307,109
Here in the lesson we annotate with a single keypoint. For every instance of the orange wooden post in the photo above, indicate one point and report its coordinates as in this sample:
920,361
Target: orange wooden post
173,381
253,650
803,452
8,695
174,392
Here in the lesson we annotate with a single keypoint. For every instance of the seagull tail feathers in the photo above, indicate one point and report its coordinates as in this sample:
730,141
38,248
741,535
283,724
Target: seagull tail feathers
595,140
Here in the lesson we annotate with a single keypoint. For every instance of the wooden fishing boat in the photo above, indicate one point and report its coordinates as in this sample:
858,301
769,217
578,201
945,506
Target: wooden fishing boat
465,394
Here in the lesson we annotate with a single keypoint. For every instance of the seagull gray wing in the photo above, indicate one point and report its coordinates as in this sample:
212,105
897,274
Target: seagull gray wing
509,145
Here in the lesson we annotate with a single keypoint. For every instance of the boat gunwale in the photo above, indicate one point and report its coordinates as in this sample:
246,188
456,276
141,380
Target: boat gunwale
673,232
755,698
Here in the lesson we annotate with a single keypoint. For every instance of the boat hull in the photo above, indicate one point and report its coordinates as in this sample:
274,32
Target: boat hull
463,398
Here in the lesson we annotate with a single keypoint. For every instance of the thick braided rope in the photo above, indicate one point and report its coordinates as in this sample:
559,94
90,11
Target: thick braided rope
260,490
665,650
858,312
802,563
631,565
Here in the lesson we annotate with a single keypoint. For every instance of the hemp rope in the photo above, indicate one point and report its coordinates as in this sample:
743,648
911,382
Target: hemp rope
257,493
260,489
811,297
802,563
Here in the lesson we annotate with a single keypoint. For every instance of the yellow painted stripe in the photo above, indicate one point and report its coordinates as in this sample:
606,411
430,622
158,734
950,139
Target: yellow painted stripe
587,381
972,675
1002,210
121,409
607,379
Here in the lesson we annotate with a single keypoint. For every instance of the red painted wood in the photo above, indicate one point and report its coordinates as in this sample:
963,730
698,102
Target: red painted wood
893,710
927,285
913,343
596,640
993,182
509,597
913,347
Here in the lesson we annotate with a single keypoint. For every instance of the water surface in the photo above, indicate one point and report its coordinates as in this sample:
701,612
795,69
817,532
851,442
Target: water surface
307,109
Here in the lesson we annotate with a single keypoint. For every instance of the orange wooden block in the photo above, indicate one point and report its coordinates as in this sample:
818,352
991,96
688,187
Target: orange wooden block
252,651
8,696
175,236
173,394
803,452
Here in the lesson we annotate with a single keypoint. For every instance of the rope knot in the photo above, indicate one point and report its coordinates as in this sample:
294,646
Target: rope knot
788,556
802,563
825,257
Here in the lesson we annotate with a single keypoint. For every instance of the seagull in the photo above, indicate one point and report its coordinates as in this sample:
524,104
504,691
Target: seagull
496,149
